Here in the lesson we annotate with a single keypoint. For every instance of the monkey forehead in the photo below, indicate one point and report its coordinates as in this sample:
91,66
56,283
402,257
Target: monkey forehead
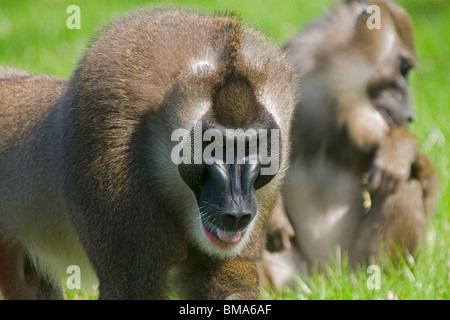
203,63
152,49
202,66
265,67
272,80
235,103
388,48
401,20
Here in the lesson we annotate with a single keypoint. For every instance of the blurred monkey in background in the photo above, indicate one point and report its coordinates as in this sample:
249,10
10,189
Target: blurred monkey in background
350,139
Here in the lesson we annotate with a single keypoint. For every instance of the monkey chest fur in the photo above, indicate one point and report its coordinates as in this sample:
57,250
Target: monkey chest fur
323,203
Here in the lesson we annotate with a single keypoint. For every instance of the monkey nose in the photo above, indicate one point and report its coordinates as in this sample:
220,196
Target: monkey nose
237,220
411,118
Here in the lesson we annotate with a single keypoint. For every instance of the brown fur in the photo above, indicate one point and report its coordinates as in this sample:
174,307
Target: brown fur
86,176
351,123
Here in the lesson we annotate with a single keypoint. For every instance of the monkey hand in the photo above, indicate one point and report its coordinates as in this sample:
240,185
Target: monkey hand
279,229
392,161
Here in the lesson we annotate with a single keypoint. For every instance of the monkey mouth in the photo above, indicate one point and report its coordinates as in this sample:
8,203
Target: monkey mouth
223,239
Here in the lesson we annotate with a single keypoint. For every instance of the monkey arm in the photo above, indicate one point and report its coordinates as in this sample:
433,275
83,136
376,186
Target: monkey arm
279,229
393,160
397,159
234,279
206,278
404,188
395,220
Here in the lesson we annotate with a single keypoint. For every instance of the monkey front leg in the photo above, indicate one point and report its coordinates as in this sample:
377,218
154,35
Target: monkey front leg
13,284
238,280
279,229
19,279
204,277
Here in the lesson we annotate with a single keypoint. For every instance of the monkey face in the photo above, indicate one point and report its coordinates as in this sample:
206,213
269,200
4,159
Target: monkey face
390,49
228,79
391,96
355,71
234,165
231,156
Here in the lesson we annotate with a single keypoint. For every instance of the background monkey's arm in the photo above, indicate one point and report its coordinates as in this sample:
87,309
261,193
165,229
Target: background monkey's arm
398,159
393,160
404,189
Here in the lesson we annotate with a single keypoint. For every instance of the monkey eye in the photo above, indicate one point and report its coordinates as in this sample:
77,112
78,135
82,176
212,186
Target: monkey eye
405,67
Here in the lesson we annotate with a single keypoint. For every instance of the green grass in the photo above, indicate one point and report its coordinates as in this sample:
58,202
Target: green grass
34,37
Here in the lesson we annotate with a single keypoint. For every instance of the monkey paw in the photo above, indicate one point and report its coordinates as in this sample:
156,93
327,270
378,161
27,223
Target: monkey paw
392,161
385,178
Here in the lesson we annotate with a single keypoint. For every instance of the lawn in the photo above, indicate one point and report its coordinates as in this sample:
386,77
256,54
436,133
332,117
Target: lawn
34,37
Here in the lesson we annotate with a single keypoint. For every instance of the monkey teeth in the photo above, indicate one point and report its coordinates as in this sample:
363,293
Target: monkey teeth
222,238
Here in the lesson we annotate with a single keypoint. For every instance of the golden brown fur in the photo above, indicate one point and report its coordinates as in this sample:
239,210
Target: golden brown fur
86,176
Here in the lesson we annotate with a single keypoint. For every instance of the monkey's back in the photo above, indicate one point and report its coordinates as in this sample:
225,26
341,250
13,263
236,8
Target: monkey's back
24,103
25,107
31,210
